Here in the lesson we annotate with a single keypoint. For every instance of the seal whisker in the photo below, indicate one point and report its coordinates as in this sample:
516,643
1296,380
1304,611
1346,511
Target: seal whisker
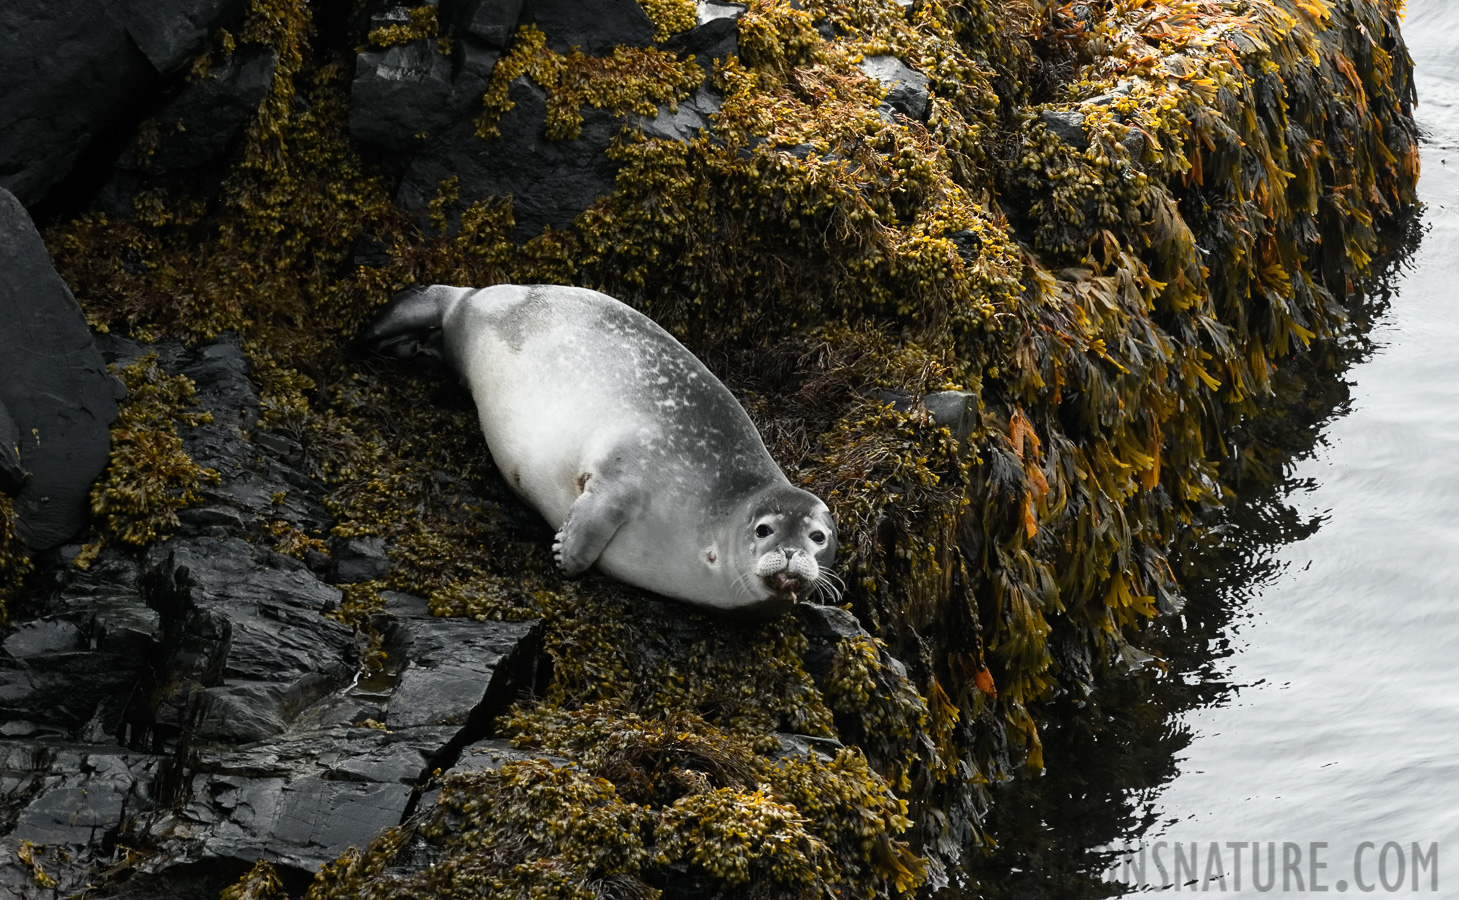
741,584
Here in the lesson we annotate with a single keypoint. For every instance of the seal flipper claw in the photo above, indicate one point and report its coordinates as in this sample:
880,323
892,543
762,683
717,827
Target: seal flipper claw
591,523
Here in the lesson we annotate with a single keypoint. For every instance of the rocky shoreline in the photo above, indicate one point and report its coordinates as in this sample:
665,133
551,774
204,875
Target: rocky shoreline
998,279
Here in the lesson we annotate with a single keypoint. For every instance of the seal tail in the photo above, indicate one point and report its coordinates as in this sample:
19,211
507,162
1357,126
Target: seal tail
409,327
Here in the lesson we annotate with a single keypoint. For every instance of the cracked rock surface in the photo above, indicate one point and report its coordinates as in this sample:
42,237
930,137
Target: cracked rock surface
170,718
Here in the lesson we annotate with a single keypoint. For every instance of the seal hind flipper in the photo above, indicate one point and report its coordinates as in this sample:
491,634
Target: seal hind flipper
409,327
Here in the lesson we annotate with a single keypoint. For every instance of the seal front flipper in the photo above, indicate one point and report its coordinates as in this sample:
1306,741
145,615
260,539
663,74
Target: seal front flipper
595,516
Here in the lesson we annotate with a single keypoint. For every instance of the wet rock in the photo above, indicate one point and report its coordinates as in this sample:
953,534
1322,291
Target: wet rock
301,799
715,37
71,804
805,746
204,518
593,26
1118,92
249,645
402,95
71,72
216,654
41,637
199,125
549,181
491,754
709,11
53,384
955,410
489,21
68,74
219,371
1067,125
457,668
906,88
283,448
359,559
488,755
825,627
74,655
171,32
685,123
12,473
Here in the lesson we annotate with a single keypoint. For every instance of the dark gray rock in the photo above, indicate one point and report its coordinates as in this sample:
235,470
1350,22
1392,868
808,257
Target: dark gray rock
955,410
359,559
301,799
906,87
199,125
549,181
41,637
715,37
825,627
203,518
59,693
488,755
457,667
171,32
74,655
1118,92
592,26
684,123
1067,125
708,11
219,371
249,645
71,805
805,746
491,754
68,72
12,473
283,448
53,383
254,487
491,22
1134,144
969,244
402,95
216,651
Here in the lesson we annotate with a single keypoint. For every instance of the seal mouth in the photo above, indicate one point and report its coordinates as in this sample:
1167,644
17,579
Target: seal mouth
786,583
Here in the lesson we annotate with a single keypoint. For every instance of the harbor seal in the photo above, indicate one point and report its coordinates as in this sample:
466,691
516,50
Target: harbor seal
642,460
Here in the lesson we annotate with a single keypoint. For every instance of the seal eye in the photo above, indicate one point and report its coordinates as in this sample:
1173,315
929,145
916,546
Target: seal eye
818,536
763,531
